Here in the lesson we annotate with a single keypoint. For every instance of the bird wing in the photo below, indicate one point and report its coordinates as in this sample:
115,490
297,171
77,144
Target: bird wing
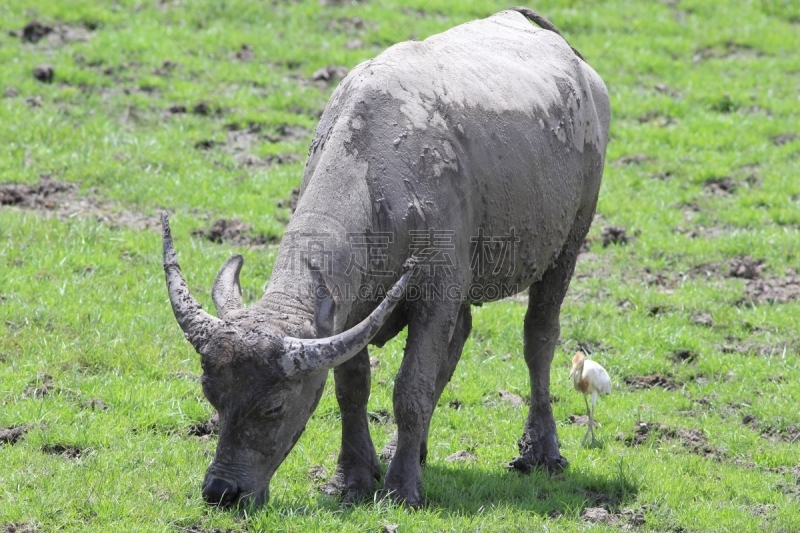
597,377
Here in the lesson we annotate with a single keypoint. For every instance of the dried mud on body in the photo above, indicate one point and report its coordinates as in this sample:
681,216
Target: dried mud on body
64,201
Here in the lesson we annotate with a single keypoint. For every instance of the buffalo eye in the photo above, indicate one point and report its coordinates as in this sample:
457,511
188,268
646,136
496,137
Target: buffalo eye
273,408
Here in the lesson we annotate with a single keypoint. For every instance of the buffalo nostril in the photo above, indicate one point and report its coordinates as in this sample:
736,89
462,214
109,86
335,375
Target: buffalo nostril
219,492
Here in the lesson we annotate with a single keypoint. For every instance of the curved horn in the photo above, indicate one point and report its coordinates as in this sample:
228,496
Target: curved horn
226,291
305,355
197,325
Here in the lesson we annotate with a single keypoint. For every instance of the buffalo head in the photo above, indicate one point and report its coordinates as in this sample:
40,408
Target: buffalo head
264,385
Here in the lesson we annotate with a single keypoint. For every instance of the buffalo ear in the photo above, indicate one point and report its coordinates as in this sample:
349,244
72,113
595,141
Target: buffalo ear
324,306
226,291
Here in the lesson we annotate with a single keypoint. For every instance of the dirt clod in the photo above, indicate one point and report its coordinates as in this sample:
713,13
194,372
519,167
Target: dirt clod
12,435
65,450
784,138
790,434
614,235
648,382
177,109
288,133
34,31
684,356
44,73
596,515
202,109
95,404
578,420
245,53
514,399
745,267
702,319
461,456
205,429
41,387
10,92
330,74
635,159
722,186
774,290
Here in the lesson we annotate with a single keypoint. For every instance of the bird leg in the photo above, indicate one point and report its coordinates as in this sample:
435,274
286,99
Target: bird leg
590,429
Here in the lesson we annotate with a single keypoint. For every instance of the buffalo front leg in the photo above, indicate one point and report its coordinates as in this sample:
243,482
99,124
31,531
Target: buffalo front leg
357,470
539,446
429,333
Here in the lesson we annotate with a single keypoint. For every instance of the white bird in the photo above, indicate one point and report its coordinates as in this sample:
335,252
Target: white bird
589,378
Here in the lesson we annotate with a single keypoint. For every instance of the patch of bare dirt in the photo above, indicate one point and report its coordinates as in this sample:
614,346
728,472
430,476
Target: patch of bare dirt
291,202
614,235
245,53
789,434
624,517
684,356
578,420
40,388
67,451
514,399
205,430
655,380
657,118
702,319
94,404
19,527
665,89
729,49
62,200
635,159
349,25
745,267
592,347
784,138
233,231
773,290
692,439
52,36
288,133
461,456
13,434
720,186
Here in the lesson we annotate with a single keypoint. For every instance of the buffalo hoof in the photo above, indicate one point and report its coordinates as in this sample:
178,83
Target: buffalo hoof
410,498
355,487
551,465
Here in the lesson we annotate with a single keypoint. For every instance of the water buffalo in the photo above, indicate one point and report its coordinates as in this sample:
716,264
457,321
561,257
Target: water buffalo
479,152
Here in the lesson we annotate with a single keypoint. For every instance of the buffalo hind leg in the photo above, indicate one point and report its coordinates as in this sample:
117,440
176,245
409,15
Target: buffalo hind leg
357,470
429,332
538,446
448,366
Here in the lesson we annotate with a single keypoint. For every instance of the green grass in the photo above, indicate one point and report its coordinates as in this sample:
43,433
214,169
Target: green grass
700,89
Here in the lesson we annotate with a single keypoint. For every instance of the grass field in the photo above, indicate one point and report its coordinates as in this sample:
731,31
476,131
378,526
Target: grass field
206,109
